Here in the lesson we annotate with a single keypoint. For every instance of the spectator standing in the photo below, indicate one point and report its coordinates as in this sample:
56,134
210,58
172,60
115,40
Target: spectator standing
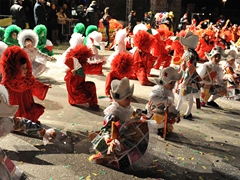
62,20
183,22
53,24
81,11
28,7
18,14
132,20
146,19
93,14
105,20
152,19
67,11
40,13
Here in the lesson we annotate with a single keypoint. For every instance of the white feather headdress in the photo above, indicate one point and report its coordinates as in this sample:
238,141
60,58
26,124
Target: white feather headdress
27,34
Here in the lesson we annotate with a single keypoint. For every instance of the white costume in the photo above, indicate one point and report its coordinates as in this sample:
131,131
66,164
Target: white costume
93,42
76,39
37,58
120,43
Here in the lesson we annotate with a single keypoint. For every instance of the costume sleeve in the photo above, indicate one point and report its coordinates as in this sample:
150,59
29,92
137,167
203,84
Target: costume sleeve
220,77
202,70
40,90
42,54
109,79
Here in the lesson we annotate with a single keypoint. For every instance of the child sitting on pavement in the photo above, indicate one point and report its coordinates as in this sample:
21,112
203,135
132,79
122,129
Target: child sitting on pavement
162,98
122,140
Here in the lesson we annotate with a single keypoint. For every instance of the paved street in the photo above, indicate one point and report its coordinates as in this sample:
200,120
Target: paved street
208,147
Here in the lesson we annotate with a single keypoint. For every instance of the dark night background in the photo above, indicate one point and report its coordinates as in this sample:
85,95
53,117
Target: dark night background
231,9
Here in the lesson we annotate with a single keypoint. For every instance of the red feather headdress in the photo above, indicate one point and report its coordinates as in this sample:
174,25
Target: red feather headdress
10,64
81,52
144,41
122,63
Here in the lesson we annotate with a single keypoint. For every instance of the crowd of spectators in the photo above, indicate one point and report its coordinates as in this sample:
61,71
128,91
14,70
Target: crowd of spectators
57,17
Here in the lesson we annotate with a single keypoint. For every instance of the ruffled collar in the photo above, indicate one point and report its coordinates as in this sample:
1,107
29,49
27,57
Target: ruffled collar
122,113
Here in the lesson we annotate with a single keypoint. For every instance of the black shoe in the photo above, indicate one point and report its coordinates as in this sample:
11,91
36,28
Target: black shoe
213,104
160,132
188,116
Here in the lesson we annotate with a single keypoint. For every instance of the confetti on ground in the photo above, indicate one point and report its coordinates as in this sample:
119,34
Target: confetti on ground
204,167
180,158
191,158
50,178
88,177
103,172
68,166
81,178
182,163
95,174
21,162
201,178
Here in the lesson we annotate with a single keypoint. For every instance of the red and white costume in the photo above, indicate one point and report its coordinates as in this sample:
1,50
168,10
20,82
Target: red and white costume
79,90
22,89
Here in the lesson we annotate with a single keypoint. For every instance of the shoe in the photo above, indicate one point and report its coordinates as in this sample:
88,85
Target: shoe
203,104
189,117
213,104
160,132
149,83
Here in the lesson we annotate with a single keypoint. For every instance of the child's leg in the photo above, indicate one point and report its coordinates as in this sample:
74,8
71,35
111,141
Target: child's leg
179,103
190,104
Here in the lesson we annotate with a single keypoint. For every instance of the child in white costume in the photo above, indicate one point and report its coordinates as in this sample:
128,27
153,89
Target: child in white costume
232,73
97,60
189,87
76,39
9,123
162,97
28,40
120,43
122,140
212,84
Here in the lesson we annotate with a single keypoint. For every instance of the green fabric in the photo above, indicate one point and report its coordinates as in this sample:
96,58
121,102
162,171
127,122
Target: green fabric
80,72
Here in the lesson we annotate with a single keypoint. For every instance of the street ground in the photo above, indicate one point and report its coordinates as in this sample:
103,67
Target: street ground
208,147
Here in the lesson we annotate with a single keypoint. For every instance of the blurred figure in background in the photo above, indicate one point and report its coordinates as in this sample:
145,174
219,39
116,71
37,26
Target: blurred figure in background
53,24
132,20
18,14
93,14
105,20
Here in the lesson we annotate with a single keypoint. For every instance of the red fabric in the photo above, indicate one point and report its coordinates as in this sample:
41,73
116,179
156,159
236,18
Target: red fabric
93,68
143,62
111,76
178,48
22,89
163,56
203,47
79,90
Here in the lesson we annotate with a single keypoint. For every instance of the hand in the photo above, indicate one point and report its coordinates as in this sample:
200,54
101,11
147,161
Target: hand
73,72
111,147
53,59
